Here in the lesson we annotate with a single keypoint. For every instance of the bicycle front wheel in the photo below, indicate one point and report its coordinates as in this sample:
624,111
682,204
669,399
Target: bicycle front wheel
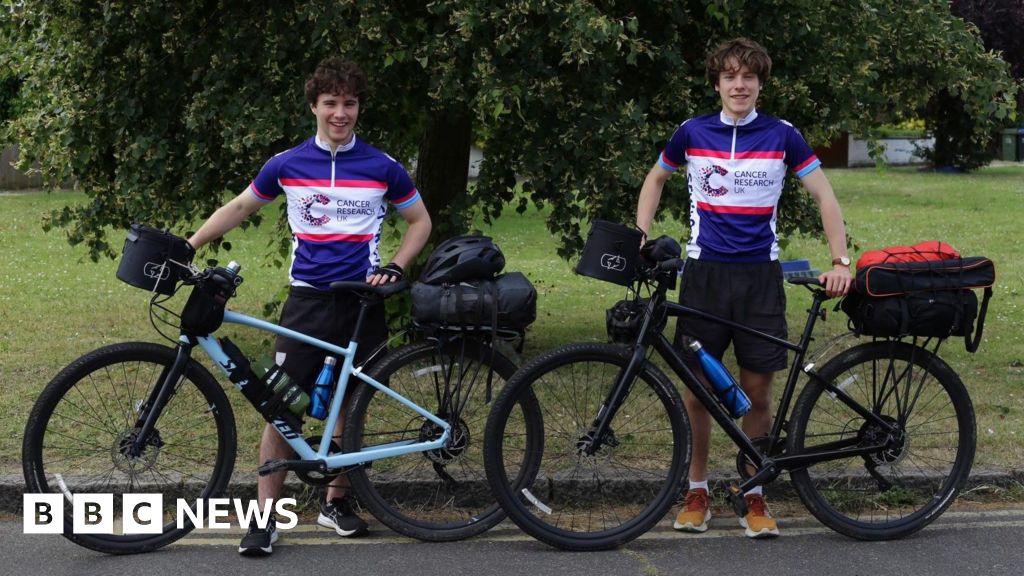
578,498
900,488
81,428
438,495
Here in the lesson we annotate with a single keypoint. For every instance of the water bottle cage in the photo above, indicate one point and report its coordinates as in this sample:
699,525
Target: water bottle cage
275,404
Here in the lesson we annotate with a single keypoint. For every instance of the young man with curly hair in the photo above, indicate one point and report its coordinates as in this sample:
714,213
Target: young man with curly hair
337,188
736,161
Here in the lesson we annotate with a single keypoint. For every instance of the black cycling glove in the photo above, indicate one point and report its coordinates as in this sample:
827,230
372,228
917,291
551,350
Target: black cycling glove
190,252
391,270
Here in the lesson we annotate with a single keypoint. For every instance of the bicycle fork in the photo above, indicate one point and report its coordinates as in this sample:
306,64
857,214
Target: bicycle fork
159,395
600,431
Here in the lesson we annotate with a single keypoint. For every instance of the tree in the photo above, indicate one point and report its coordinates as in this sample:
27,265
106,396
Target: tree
963,132
999,24
159,108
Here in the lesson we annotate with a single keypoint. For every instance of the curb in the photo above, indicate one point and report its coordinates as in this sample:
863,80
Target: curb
244,486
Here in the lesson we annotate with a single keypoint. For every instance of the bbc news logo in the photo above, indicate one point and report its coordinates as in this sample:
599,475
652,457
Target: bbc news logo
143,513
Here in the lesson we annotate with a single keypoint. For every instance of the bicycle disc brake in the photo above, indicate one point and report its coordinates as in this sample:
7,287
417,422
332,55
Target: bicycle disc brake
457,445
123,456
588,446
897,446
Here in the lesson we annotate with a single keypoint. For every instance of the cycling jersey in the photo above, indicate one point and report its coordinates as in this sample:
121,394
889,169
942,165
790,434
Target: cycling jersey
336,206
735,172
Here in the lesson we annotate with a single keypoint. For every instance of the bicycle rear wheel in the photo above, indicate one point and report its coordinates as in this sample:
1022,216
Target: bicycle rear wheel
580,501
78,433
440,495
900,489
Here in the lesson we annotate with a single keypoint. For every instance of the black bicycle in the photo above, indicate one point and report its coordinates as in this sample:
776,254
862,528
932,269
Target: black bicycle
878,443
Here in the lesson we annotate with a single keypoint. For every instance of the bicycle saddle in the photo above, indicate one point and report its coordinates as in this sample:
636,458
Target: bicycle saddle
364,290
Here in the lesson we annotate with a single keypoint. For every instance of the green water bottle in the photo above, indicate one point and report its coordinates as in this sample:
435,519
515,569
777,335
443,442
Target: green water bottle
275,379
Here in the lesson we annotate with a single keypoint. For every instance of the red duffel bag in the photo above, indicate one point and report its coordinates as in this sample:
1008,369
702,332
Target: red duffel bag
920,290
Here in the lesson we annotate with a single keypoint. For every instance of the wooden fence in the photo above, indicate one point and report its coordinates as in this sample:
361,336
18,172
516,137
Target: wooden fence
12,179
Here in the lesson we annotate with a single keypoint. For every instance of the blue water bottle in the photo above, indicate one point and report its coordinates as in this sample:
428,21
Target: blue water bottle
731,395
321,397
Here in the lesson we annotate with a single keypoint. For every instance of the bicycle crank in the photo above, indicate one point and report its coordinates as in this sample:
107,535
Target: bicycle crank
746,467
319,477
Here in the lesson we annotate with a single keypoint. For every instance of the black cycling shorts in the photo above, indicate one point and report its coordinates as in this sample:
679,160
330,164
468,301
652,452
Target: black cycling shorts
330,317
750,294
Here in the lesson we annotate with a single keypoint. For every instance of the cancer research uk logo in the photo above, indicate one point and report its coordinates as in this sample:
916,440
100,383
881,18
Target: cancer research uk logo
705,181
143,513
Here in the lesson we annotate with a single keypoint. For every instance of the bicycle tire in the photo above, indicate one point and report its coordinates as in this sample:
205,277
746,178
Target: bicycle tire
78,424
440,495
925,468
578,502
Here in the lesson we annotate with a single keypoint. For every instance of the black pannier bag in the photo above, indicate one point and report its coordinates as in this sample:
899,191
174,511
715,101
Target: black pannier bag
890,279
938,314
929,299
509,302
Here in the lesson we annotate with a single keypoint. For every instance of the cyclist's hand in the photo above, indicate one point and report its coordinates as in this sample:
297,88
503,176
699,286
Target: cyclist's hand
386,274
660,249
837,281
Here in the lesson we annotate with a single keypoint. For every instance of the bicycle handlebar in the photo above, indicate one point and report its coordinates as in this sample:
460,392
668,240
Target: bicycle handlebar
225,279
671,264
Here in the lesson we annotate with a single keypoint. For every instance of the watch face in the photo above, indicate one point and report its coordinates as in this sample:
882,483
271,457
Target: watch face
844,260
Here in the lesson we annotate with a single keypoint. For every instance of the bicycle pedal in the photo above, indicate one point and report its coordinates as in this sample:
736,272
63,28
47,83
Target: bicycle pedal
272,466
736,499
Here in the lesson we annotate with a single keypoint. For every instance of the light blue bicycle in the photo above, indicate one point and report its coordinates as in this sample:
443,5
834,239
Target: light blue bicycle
139,417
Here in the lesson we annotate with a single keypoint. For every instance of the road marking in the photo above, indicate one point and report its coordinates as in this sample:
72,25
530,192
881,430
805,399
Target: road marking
719,530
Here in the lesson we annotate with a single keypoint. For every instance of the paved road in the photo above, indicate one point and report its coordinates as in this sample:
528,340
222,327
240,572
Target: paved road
975,543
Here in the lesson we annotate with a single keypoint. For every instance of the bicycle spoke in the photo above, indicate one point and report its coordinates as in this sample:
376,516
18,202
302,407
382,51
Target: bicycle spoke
82,429
892,490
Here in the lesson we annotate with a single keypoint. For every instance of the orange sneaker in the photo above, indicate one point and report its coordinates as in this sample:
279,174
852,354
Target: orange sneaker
695,513
758,521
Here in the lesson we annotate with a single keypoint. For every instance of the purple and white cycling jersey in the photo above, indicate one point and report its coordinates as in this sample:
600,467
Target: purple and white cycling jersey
336,206
735,172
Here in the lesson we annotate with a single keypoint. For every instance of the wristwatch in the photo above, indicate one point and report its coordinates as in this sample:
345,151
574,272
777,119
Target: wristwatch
844,260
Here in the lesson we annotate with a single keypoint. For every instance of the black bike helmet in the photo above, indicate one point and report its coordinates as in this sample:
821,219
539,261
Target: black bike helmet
463,258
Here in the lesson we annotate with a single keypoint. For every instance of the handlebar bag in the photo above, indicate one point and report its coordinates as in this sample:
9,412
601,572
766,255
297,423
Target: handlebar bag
204,311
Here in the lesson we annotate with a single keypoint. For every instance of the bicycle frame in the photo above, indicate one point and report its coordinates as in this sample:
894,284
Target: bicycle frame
302,448
768,463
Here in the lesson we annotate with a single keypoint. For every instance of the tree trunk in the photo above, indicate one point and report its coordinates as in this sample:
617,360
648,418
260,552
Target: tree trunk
442,169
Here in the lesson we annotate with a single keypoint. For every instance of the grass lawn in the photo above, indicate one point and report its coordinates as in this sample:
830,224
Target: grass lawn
55,304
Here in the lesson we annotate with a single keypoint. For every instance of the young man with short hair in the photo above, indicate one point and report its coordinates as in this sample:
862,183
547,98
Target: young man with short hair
736,160
337,190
